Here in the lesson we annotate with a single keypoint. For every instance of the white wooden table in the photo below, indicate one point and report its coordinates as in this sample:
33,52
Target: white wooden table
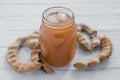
21,17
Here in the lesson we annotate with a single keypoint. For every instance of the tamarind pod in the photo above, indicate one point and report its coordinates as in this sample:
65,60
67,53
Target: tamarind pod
93,62
38,57
22,67
81,65
34,35
47,68
106,48
33,39
86,28
34,56
95,39
82,42
14,63
95,42
32,42
28,67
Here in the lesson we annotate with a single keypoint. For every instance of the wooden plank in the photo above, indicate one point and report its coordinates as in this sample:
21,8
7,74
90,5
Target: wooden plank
33,23
60,1
35,10
61,75
102,16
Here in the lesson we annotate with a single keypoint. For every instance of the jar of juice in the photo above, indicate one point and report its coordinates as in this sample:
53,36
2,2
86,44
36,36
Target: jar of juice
58,36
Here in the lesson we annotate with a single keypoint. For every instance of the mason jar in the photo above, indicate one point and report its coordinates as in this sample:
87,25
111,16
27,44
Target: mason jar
58,36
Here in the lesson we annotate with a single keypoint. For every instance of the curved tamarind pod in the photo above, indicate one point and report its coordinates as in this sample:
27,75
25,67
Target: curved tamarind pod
85,28
106,48
12,58
81,65
82,42
95,39
33,39
105,53
93,62
45,66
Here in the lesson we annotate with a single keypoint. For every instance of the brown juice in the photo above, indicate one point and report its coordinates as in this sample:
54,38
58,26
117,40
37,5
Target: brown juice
58,42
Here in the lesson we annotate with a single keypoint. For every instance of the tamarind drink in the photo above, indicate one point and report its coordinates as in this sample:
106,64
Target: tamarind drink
58,36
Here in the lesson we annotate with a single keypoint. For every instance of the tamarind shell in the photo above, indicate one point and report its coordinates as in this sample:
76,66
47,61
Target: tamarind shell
80,65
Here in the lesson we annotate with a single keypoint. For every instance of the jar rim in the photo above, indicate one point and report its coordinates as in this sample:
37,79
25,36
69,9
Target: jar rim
44,19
